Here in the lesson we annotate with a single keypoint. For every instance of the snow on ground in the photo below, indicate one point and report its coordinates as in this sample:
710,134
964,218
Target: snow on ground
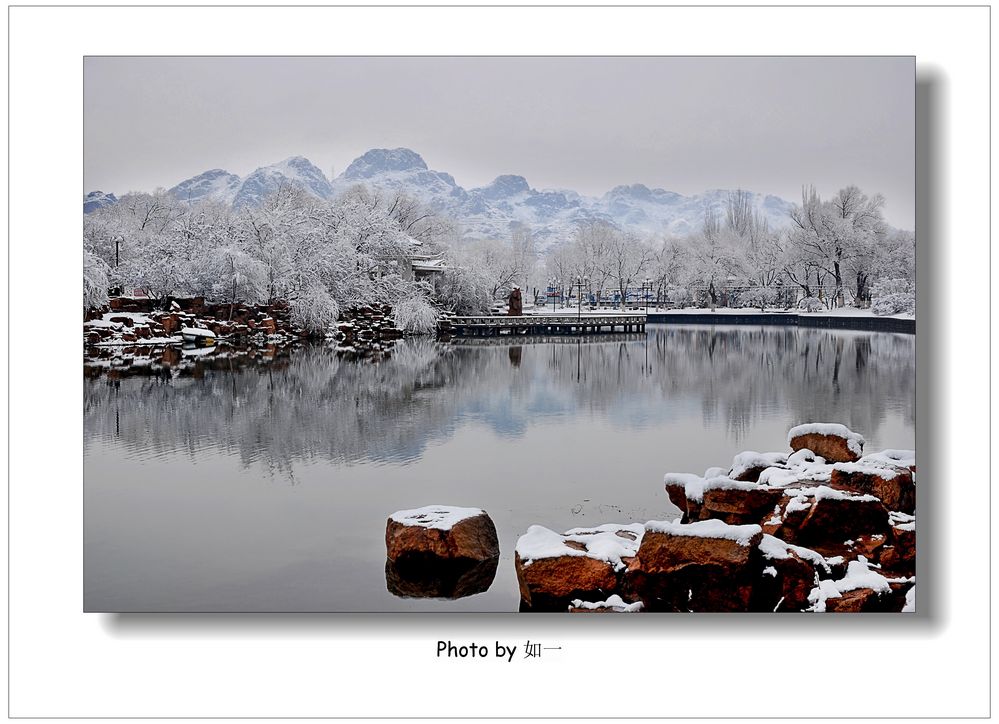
840,312
439,517
604,542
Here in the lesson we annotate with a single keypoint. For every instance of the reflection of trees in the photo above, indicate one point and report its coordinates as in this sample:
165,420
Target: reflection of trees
323,407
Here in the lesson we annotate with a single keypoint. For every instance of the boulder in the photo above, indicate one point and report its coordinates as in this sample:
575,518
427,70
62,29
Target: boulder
894,486
127,321
899,552
583,563
739,506
702,566
836,443
747,466
788,576
824,515
443,531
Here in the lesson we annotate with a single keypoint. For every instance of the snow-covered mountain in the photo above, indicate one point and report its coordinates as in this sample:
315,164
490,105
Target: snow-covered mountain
487,211
218,183
96,200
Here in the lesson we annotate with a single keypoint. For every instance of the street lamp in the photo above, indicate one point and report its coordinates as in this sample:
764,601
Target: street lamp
580,283
647,292
553,285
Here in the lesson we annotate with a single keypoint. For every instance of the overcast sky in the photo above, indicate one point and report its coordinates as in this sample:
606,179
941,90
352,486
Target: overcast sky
588,124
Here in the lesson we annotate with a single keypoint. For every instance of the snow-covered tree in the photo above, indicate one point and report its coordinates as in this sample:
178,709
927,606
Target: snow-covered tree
95,280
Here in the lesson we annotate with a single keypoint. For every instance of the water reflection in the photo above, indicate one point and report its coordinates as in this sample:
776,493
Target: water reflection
432,577
316,404
188,505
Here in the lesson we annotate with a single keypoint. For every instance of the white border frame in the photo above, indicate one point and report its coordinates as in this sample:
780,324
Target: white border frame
66,663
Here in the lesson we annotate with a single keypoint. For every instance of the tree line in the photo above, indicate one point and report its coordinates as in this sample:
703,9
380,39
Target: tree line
324,256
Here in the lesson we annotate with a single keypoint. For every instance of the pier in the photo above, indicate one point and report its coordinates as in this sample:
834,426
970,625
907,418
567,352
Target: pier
561,324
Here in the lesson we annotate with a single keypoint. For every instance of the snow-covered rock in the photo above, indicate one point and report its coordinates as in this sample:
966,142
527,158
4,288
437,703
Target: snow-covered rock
584,563
442,531
835,442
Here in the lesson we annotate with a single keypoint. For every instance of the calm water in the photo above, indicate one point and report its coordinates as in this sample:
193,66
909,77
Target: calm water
266,487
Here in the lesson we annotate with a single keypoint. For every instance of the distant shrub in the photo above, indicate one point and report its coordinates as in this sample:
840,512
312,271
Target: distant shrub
759,297
893,296
811,305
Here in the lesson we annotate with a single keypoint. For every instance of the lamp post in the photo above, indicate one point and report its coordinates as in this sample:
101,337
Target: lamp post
580,283
553,285
647,292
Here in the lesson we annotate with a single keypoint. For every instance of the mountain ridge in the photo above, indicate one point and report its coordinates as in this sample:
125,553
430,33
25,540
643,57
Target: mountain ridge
492,210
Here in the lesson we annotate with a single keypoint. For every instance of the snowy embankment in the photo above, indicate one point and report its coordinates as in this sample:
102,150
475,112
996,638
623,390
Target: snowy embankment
720,311
821,527
836,312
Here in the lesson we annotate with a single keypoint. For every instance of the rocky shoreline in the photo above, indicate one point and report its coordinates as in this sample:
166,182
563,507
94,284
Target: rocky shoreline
819,528
137,336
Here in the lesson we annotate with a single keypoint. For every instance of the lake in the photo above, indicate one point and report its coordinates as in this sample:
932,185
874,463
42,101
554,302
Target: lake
259,484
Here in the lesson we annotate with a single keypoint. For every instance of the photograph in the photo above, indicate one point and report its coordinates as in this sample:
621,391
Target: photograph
499,334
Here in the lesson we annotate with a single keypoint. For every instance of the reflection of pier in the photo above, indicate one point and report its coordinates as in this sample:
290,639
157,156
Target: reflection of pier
553,325
506,340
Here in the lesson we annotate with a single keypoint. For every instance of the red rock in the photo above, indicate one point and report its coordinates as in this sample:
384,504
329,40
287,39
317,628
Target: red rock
830,517
550,583
894,486
269,324
737,506
583,563
410,532
127,321
93,337
833,447
702,566
171,324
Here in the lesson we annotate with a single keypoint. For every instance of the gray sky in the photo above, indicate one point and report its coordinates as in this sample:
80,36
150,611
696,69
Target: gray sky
588,124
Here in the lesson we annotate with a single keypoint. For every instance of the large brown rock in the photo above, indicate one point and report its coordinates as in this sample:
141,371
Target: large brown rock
894,486
823,515
550,583
836,443
702,566
443,531
583,563
739,506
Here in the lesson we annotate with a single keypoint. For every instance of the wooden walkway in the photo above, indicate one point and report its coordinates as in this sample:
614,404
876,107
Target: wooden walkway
562,324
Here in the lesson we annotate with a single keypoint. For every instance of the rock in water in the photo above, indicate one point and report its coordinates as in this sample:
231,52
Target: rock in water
442,531
836,443
582,563
703,566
